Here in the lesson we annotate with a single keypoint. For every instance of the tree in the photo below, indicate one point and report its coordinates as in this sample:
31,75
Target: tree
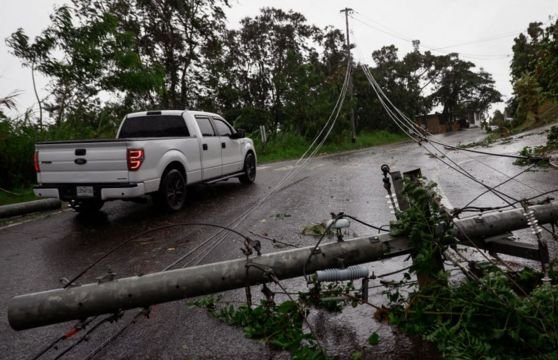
420,80
497,118
85,57
172,34
528,94
274,73
142,53
534,69
525,51
547,61
461,90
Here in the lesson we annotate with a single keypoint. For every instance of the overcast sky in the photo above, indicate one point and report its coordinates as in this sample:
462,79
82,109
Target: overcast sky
481,31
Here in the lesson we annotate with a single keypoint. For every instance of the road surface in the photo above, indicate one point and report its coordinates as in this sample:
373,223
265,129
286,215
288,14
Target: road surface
36,252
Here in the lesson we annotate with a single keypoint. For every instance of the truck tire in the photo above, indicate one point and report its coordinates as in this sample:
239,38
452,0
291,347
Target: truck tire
87,206
172,191
249,169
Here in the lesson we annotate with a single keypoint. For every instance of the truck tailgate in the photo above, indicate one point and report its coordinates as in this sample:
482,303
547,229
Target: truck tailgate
99,161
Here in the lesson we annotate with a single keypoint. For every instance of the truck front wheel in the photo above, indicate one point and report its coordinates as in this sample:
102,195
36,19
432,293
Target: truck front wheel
172,191
249,169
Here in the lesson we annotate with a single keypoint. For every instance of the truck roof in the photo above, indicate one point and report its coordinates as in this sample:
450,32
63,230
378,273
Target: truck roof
170,112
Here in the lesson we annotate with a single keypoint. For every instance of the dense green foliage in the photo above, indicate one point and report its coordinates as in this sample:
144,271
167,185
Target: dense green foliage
280,326
284,326
497,315
16,153
419,81
426,227
484,319
534,70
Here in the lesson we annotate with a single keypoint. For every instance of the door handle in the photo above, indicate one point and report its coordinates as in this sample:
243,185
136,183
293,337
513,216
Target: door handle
223,145
204,146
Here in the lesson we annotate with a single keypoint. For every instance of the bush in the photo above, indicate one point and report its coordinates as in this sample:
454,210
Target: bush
552,138
494,315
17,142
17,145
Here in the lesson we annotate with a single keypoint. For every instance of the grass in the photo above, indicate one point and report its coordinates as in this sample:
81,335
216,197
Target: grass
291,146
16,196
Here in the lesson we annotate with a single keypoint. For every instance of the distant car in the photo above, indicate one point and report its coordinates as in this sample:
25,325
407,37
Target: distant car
155,152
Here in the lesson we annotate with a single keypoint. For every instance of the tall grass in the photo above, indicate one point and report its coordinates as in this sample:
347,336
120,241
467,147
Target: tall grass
16,195
291,146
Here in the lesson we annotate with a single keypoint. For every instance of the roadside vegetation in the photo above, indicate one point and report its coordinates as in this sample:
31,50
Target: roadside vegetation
16,196
492,313
535,86
291,146
539,155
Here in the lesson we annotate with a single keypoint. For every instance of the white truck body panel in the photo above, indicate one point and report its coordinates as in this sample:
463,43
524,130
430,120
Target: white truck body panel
106,162
101,166
211,158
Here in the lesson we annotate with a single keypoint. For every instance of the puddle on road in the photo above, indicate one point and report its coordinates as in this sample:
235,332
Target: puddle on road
343,334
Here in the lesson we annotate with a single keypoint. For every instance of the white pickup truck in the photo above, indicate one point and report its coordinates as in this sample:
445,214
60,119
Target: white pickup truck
155,152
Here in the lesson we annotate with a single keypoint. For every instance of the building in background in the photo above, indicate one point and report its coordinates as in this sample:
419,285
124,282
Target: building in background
436,124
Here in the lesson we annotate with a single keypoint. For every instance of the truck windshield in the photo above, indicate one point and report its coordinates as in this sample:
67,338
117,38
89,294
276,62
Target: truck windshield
154,126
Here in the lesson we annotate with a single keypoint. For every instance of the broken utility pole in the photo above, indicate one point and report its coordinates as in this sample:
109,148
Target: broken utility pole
54,306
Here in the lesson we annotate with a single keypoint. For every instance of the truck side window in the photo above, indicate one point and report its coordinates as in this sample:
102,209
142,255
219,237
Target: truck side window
154,126
205,126
222,128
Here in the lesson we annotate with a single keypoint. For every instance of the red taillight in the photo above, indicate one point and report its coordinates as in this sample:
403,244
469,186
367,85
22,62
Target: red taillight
36,162
135,159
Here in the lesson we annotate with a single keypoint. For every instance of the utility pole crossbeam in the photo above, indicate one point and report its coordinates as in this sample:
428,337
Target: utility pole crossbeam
347,12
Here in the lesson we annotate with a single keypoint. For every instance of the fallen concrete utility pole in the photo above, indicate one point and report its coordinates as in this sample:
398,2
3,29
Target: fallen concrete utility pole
54,306
38,309
495,223
491,232
29,207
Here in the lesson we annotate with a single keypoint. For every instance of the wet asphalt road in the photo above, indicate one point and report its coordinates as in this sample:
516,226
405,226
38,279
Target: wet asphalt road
37,253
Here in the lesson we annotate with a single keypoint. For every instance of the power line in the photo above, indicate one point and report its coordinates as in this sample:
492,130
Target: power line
530,158
436,49
500,184
415,133
493,38
413,129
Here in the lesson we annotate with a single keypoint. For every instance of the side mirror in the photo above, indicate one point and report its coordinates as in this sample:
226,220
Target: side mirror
239,134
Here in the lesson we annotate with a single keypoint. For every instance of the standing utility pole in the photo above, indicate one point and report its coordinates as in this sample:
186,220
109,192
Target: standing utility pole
347,12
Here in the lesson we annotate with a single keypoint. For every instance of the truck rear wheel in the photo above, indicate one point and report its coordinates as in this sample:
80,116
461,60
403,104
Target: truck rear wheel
249,169
172,191
87,206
